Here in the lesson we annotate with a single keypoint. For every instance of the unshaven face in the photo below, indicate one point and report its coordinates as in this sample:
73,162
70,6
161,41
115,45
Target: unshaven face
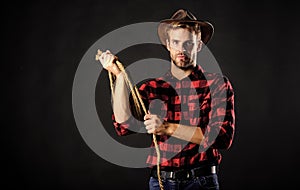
183,46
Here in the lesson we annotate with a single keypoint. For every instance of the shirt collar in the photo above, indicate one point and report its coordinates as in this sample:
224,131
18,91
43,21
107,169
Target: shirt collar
195,74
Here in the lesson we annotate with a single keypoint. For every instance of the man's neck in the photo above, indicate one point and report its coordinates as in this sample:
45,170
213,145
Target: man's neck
180,73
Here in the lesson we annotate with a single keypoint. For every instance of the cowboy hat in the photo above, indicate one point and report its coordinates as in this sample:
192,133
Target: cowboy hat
183,16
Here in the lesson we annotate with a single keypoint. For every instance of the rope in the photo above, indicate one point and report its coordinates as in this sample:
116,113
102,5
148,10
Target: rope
111,84
137,102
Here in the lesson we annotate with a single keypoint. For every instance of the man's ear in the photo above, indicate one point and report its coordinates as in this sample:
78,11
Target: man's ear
199,45
168,44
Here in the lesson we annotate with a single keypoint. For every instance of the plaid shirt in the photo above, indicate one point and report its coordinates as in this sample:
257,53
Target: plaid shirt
202,99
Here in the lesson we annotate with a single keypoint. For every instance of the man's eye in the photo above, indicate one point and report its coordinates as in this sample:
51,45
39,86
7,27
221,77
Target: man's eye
189,43
175,42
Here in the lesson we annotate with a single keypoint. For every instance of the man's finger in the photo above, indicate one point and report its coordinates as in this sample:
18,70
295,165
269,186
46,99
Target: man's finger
147,116
149,127
147,122
151,131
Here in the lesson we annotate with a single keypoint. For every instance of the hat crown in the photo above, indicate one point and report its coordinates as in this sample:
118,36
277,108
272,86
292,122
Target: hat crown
183,15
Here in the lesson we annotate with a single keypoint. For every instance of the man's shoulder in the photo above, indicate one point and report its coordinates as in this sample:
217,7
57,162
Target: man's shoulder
217,81
215,77
154,83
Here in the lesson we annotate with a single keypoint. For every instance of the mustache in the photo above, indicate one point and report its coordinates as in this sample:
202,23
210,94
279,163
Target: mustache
183,54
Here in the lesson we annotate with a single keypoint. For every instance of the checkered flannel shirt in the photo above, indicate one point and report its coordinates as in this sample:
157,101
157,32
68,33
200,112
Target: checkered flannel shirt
202,99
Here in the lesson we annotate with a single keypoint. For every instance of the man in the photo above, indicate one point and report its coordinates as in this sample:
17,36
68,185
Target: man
195,115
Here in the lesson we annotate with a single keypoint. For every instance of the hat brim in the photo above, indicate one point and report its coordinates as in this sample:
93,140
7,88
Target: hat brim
206,29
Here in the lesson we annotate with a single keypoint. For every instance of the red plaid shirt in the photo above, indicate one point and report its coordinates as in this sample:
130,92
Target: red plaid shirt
202,99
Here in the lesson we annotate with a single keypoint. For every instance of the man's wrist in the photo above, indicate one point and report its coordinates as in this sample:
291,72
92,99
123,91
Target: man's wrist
170,128
119,74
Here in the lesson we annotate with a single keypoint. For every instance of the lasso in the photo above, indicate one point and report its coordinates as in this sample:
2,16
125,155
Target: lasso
137,102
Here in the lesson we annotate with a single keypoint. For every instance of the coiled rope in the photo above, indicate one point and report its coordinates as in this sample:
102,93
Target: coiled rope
137,102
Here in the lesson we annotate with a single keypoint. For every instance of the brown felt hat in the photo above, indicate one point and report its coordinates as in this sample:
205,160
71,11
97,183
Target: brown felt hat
185,17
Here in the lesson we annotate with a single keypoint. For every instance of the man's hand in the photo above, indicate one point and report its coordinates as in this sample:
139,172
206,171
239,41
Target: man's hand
107,60
155,125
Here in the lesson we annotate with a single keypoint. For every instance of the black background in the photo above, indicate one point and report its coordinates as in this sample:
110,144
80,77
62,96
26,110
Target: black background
255,43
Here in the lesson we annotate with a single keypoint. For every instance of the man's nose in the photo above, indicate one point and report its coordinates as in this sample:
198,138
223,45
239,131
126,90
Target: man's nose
181,48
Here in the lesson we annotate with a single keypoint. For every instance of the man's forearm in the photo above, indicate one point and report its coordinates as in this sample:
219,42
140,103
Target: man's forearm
121,105
188,133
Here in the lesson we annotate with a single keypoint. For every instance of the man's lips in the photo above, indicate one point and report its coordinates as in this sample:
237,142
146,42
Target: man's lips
181,56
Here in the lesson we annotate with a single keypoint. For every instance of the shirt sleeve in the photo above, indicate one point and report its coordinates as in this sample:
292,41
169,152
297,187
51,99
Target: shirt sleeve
219,132
125,128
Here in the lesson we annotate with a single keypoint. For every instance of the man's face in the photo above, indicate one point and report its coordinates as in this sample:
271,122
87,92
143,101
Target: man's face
183,46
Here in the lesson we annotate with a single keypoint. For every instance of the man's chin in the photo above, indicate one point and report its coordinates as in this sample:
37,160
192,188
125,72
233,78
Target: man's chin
184,66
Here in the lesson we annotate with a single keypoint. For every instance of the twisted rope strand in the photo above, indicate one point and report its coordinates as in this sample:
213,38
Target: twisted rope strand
111,79
154,140
137,102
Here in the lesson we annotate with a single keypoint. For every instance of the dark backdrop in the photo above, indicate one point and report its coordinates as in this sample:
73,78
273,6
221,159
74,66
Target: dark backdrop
255,43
